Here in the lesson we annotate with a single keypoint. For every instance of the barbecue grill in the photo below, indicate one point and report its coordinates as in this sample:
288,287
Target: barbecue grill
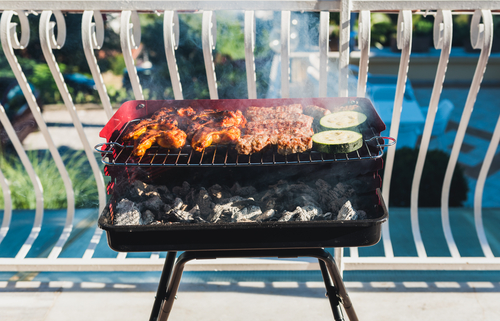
222,164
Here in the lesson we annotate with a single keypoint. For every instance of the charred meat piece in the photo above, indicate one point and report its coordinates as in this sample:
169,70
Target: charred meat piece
278,126
216,119
207,136
291,144
259,111
144,142
316,111
250,144
165,118
174,138
171,138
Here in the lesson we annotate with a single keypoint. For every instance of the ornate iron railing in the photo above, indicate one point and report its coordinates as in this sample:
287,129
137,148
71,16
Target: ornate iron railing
15,35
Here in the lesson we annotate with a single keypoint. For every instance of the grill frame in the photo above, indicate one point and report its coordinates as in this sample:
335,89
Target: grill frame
244,235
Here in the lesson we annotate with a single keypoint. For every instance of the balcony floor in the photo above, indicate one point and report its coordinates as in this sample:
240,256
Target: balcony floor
118,297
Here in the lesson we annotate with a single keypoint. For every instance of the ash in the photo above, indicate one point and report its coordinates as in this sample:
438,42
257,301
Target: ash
144,204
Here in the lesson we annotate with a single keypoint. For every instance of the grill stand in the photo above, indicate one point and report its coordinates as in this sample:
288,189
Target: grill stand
172,273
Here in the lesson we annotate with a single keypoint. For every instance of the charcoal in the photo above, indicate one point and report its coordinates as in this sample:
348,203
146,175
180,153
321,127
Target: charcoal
178,204
362,215
217,192
347,212
247,214
323,217
267,215
205,203
154,204
127,213
226,209
147,217
177,215
140,188
182,190
243,191
195,211
308,213
288,216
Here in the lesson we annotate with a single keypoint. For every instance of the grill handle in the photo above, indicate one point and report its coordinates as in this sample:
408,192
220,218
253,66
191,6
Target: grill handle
391,141
98,149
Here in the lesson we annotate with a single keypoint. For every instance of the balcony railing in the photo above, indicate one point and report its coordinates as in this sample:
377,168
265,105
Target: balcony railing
15,35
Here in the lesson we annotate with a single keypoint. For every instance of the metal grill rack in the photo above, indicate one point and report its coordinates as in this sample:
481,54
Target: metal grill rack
116,154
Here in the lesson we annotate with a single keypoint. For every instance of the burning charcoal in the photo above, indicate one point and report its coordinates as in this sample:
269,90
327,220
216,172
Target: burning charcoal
178,204
147,217
217,192
362,215
288,216
275,191
247,214
181,216
182,190
226,208
195,211
205,203
323,217
347,212
267,215
333,198
243,191
309,212
140,188
127,213
155,204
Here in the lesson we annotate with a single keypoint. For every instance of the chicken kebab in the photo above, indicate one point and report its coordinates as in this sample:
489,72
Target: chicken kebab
171,127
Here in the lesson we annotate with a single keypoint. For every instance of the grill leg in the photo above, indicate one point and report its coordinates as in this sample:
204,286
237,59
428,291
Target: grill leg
336,290
331,293
162,285
330,269
173,285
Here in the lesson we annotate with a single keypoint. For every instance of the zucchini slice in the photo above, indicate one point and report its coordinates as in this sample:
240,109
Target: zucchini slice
337,141
347,120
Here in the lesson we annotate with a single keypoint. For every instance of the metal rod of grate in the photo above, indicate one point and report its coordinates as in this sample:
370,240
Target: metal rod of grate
117,154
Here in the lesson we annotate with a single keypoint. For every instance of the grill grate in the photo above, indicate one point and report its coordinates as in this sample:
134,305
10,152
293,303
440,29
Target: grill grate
116,154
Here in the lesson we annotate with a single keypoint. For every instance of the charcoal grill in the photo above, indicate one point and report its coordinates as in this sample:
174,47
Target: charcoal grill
249,239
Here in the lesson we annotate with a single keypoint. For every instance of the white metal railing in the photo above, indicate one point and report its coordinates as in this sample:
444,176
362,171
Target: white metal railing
130,34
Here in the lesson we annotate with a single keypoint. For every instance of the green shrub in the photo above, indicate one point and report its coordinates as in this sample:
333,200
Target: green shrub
54,193
431,182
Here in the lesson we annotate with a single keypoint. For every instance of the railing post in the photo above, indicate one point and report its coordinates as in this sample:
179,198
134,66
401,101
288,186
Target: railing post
481,38
208,40
171,40
130,38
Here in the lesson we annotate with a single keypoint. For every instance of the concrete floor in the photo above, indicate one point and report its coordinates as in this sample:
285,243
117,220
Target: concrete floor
56,300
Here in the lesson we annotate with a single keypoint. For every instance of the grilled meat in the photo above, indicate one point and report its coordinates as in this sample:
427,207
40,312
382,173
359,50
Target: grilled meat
216,119
255,111
250,144
207,136
174,138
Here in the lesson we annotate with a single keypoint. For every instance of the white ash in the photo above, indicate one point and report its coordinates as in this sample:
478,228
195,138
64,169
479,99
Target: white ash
247,214
267,215
347,212
127,213
225,207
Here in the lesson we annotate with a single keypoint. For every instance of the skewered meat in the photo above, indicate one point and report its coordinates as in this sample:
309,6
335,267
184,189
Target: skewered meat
207,136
